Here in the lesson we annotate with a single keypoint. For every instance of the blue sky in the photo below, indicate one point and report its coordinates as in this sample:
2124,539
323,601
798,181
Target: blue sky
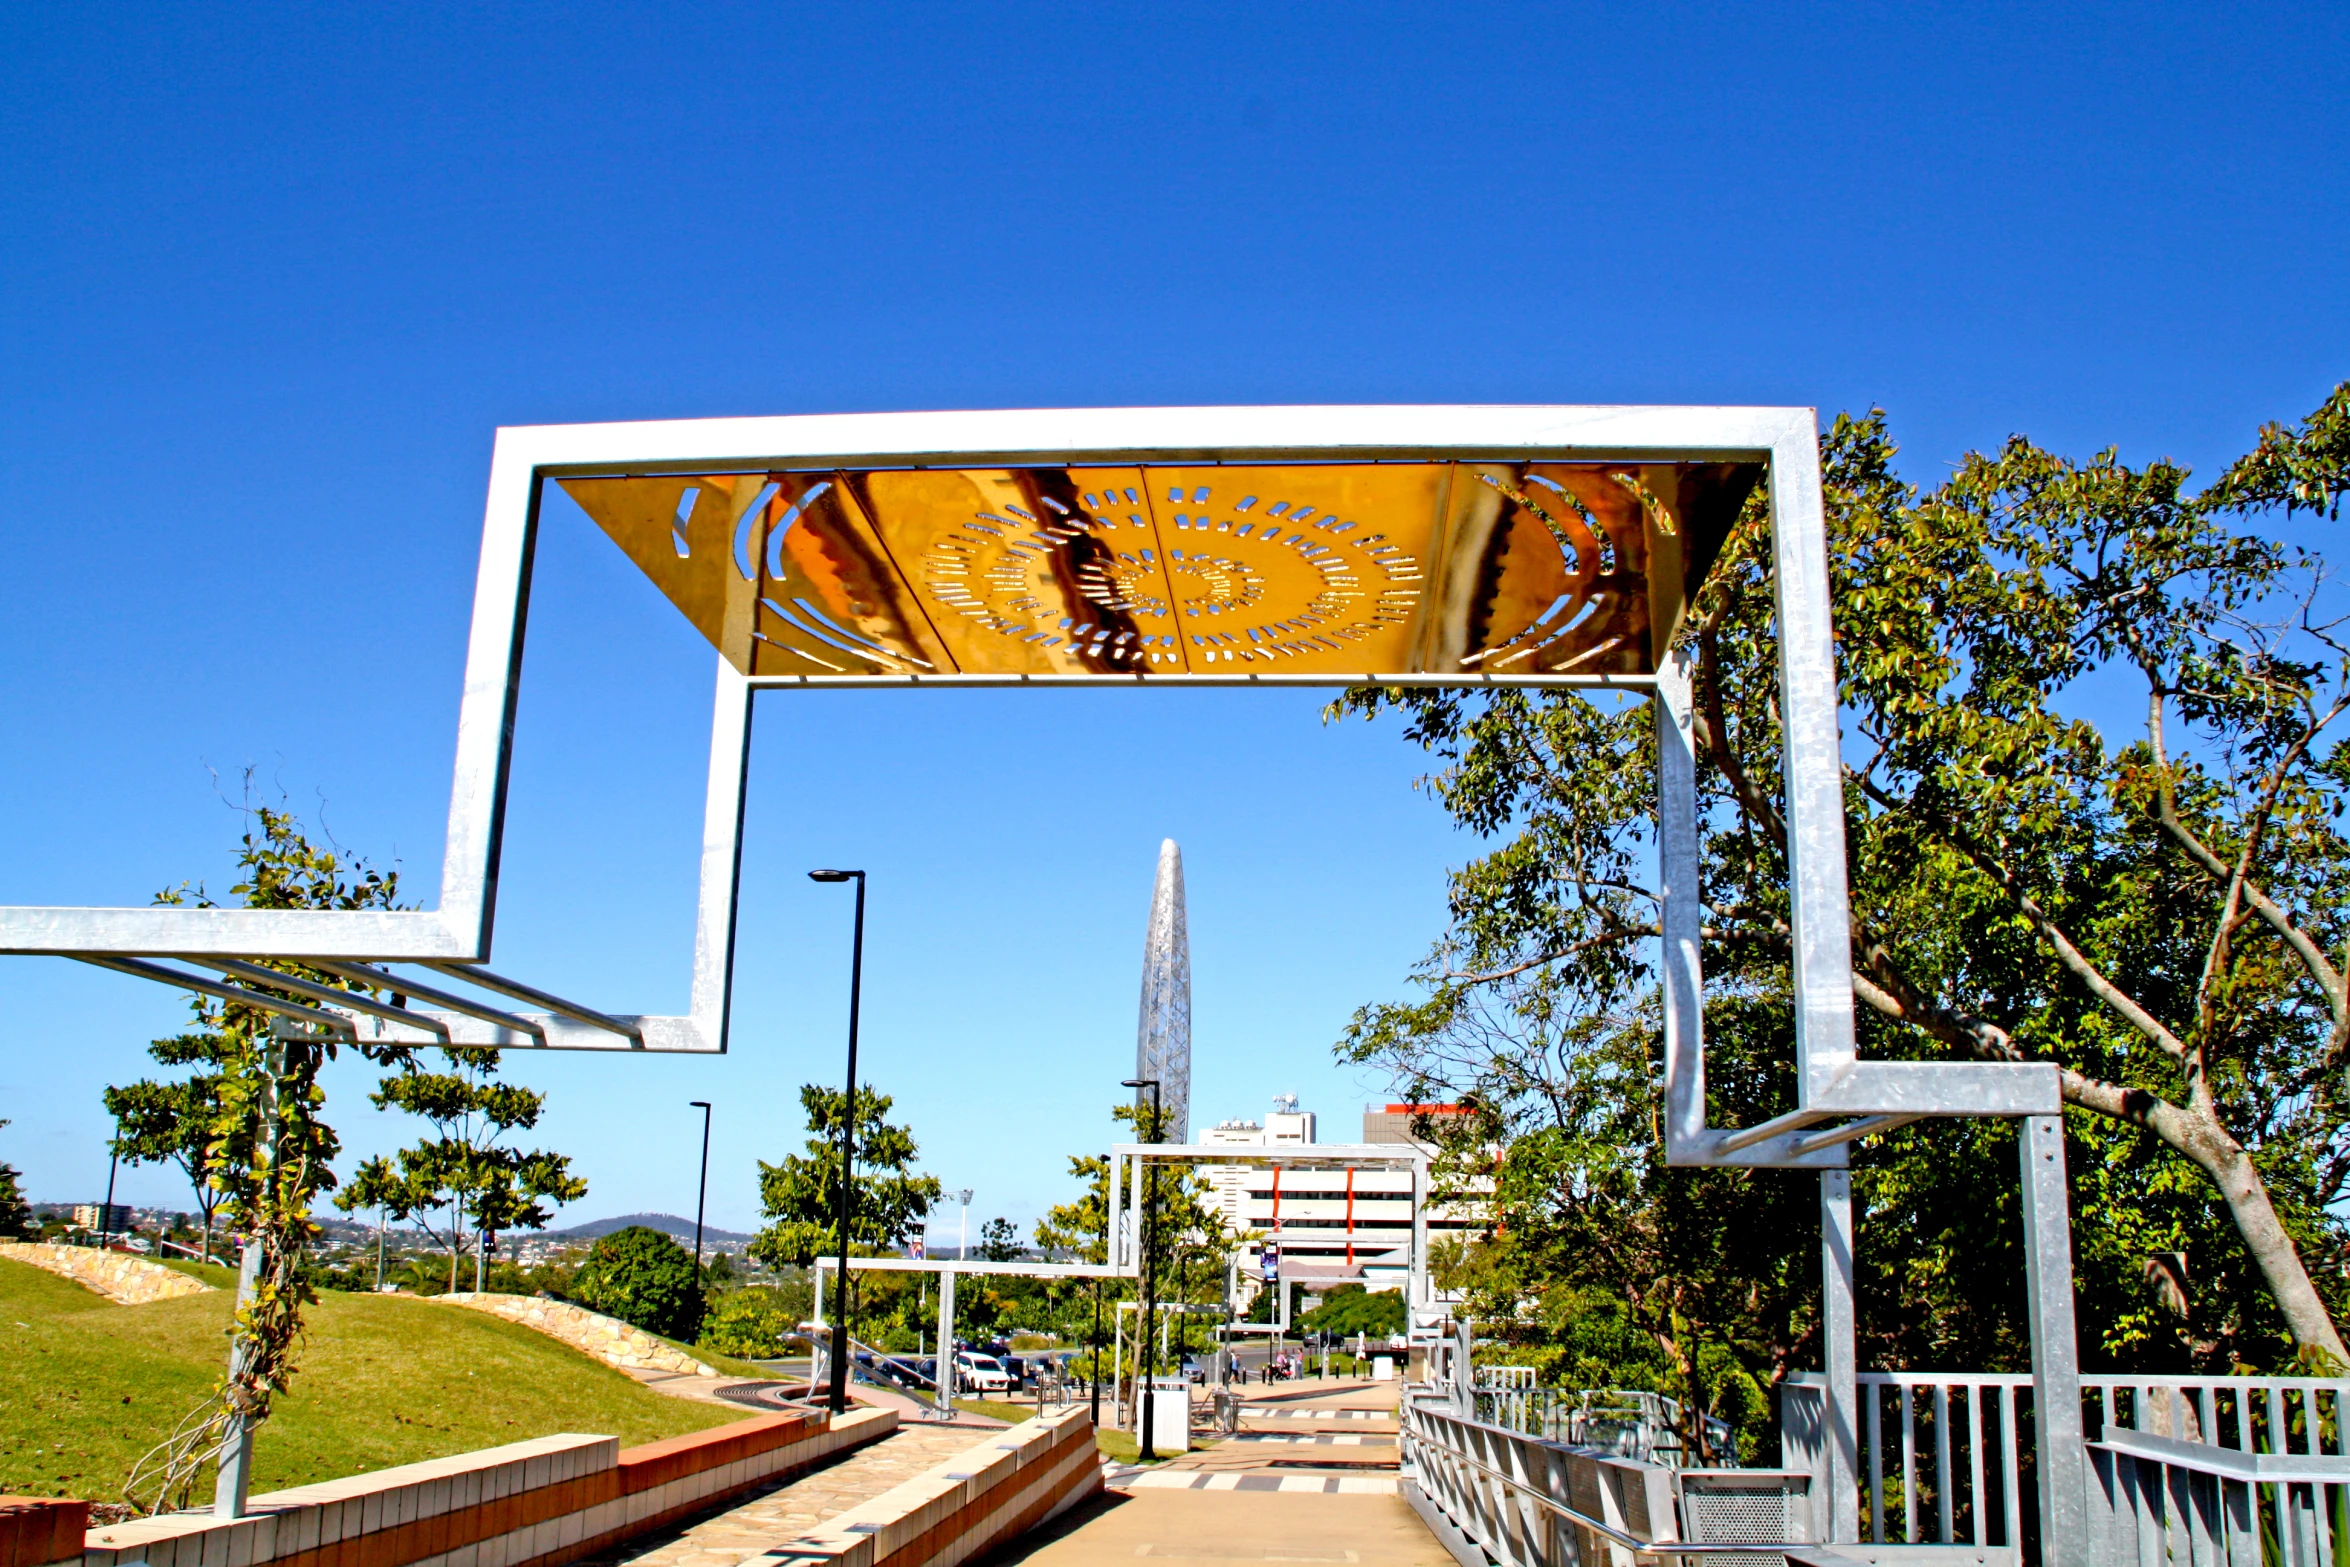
269,279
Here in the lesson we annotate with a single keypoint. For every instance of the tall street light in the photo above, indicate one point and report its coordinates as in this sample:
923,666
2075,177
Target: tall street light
963,1227
1150,1277
701,1192
839,1399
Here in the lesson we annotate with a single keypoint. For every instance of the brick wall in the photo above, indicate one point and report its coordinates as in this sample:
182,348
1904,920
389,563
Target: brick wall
541,1503
38,1530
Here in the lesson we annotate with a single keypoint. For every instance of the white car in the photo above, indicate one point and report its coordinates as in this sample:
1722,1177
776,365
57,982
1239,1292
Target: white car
982,1373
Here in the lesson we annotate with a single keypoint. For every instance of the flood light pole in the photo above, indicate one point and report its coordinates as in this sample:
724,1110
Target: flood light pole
1150,1277
839,1396
701,1192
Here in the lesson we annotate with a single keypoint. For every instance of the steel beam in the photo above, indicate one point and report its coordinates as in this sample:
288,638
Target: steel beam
2056,1353
333,1022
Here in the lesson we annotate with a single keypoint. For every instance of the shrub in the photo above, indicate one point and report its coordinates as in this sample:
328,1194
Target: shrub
751,1323
645,1279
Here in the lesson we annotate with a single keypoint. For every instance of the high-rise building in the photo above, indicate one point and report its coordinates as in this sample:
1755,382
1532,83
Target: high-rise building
1162,1043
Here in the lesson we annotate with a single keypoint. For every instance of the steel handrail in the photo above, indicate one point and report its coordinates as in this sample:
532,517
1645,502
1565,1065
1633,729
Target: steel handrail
1613,1534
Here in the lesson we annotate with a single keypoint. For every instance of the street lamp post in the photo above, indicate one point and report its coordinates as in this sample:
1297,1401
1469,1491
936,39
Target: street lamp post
1150,1277
106,1208
839,1397
701,1192
963,1227
1097,1352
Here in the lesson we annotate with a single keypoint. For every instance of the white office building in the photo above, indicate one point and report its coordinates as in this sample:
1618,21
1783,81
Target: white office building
1331,1222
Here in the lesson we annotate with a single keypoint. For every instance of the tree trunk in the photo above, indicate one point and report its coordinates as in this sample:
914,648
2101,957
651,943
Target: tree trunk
2210,1148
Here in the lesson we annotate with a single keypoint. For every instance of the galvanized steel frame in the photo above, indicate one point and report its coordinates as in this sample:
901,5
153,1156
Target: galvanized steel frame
1833,1085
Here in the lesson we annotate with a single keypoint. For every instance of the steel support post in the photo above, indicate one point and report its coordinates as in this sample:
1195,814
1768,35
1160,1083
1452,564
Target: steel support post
235,1478
234,1482
1840,1359
2056,1355
946,1346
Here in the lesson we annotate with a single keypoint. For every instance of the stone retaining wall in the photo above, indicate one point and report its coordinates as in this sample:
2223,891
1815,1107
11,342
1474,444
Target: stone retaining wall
119,1276
609,1339
543,1503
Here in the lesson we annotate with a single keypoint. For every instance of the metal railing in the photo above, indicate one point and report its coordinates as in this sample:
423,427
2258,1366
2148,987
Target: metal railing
1628,1422
1528,1502
2158,1498
1946,1458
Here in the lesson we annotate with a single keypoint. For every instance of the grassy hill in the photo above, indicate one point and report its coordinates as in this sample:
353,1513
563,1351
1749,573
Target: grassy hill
87,1386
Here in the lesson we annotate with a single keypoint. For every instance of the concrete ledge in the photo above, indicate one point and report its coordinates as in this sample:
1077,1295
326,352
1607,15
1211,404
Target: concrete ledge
1003,1486
540,1503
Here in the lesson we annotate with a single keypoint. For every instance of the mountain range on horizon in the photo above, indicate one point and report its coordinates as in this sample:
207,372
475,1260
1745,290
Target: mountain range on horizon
666,1223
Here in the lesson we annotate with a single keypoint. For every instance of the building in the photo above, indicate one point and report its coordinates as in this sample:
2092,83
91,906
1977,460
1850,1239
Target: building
1331,1222
113,1218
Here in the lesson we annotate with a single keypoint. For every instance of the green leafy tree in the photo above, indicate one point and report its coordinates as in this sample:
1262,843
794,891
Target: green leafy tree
999,1241
271,1150
1350,1309
644,1278
172,1121
800,1198
2152,907
1185,1238
466,1173
16,1215
756,1323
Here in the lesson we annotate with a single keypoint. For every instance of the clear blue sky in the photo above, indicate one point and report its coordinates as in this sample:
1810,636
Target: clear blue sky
270,278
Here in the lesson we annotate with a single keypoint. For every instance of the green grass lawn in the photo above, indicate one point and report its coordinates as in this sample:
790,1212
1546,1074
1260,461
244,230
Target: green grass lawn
87,1386
1010,1414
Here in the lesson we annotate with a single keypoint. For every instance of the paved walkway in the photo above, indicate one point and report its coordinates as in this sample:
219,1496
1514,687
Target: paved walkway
1309,1478
1328,1438
798,1505
1233,1526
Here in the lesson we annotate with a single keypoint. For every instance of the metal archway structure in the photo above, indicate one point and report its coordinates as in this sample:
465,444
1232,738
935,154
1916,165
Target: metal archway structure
1324,546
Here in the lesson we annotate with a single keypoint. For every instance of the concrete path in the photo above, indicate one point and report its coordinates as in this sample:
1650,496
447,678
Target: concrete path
1207,1527
1329,1438
798,1505
1310,1478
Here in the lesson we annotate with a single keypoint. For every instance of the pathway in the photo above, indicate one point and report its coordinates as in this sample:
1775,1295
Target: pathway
1310,1478
749,1528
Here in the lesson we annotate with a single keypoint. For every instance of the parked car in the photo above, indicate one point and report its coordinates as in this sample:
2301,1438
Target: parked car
981,1373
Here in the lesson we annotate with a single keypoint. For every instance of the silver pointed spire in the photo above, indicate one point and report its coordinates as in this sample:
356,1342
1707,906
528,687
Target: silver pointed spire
1162,1041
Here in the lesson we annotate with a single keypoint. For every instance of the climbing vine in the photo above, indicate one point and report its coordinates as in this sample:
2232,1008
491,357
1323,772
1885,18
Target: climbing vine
271,1151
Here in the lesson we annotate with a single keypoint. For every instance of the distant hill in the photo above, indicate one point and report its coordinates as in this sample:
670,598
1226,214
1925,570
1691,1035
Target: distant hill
667,1223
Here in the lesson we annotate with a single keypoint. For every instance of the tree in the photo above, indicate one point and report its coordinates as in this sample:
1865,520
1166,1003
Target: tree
999,1242
466,1172
271,1150
16,1215
644,1278
1185,1227
1349,1309
800,1198
2151,911
172,1122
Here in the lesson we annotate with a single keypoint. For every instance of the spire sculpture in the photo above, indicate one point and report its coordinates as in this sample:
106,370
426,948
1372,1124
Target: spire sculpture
1162,1041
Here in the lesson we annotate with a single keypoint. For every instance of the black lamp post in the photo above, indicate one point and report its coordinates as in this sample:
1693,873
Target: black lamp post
1097,1353
701,1192
1150,1277
839,1398
106,1208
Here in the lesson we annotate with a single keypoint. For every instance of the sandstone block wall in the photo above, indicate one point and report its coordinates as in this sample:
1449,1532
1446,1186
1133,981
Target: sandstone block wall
609,1339
117,1275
